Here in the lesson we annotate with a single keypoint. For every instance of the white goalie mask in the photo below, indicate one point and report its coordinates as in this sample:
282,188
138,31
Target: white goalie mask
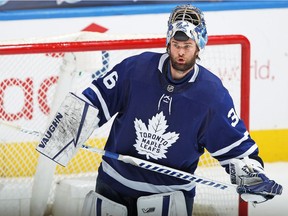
190,21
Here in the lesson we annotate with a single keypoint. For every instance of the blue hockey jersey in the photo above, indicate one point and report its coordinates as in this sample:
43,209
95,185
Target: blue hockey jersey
164,121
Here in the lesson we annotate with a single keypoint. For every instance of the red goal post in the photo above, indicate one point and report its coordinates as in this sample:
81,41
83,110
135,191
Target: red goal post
142,44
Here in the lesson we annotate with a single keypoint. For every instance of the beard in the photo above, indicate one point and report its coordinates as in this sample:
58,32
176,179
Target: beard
182,68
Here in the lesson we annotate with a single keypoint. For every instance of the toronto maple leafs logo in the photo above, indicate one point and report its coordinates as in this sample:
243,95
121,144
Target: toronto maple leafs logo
153,141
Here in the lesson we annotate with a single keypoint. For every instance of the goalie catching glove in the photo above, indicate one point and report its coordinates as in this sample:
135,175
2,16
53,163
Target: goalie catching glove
253,184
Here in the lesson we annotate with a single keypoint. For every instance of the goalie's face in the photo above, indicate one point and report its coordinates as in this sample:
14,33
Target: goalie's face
183,55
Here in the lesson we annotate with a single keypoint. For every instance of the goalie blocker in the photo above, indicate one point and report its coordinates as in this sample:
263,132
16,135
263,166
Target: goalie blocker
253,184
71,126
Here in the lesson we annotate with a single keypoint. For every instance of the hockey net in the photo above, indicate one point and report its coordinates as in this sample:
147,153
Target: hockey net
34,77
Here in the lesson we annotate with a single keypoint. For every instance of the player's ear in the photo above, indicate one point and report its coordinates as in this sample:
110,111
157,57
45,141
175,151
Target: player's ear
168,48
197,54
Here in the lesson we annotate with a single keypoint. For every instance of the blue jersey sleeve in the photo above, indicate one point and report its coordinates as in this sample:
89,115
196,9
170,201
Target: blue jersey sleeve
226,136
109,93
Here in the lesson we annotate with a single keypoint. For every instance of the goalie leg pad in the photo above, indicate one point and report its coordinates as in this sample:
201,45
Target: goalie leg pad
170,204
98,205
70,128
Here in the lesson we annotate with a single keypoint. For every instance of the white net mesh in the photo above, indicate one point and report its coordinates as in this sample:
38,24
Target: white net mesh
27,90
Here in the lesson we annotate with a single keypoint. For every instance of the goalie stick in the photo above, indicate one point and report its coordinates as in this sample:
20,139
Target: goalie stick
143,163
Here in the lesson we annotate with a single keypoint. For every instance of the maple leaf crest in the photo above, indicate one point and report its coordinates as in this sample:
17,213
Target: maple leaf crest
153,141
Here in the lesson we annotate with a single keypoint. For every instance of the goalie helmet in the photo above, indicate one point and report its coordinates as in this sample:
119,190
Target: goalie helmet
188,22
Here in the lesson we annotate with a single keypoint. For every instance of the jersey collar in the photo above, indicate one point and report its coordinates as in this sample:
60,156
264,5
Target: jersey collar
163,59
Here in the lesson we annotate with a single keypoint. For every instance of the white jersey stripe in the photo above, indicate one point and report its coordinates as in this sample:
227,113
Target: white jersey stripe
143,186
102,102
233,145
161,61
196,71
247,153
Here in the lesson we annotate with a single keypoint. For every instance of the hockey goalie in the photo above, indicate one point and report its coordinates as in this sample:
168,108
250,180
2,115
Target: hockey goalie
168,109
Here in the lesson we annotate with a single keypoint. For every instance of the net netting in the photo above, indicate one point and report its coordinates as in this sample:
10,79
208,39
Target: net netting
30,82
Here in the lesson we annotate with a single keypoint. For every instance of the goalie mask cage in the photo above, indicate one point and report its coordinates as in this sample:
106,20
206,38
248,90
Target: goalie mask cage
35,77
